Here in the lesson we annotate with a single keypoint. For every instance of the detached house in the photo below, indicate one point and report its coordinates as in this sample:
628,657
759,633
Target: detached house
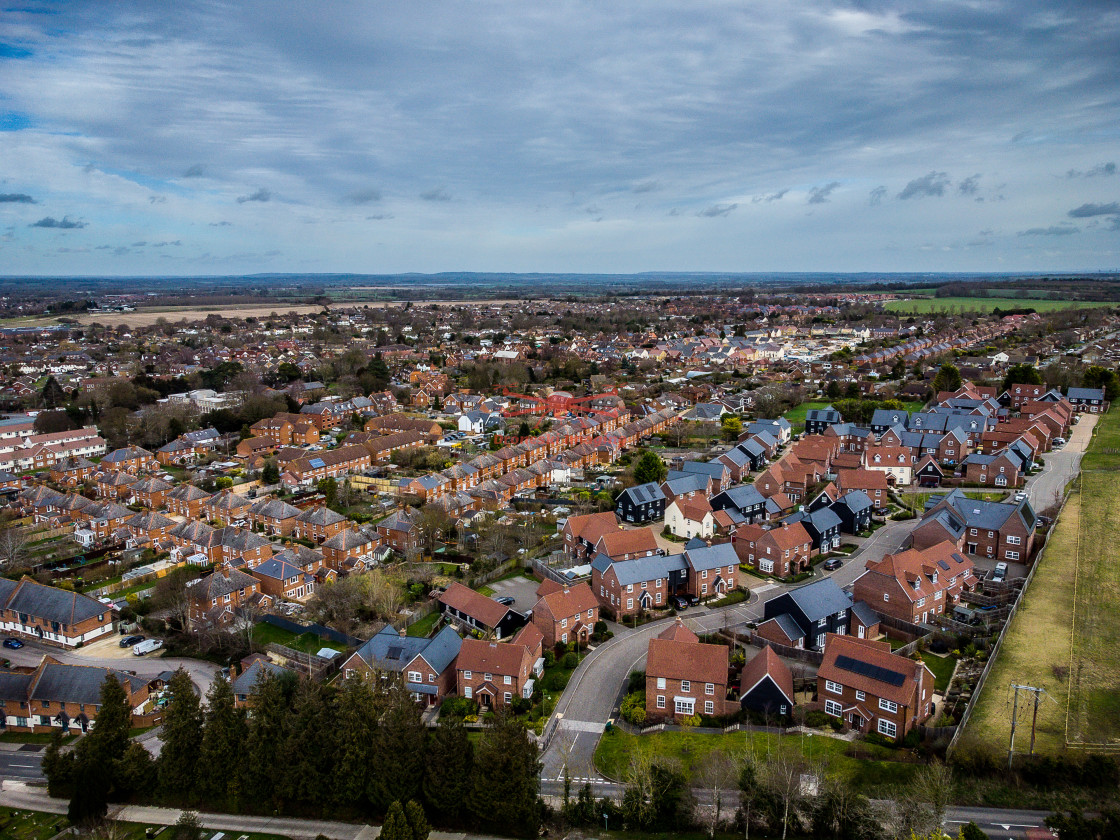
473,611
997,530
494,673
862,683
566,613
685,677
916,585
782,551
427,666
643,503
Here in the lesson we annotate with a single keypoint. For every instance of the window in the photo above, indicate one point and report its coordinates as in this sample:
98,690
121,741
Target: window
1013,540
629,603
660,683
709,707
415,676
704,574
659,597
508,680
431,678
822,622
888,728
860,695
972,532
629,587
684,705
507,696
703,589
835,688
888,705
921,602
886,596
589,613
468,692
831,707
1011,555
766,566
660,701
709,688
563,622
686,685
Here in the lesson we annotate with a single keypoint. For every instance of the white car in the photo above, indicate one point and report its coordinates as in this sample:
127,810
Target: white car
1001,571
1020,496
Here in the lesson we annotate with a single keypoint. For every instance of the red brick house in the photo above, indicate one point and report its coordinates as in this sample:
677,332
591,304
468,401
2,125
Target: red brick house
218,598
52,615
426,665
494,673
318,524
997,530
861,682
581,533
567,614
916,585
781,551
685,677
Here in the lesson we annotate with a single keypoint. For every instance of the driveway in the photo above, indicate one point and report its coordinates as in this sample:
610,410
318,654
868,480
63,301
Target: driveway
522,590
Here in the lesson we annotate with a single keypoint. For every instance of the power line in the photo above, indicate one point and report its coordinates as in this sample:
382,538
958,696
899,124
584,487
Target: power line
1037,692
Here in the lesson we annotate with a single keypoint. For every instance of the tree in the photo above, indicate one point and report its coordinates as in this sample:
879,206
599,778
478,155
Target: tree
47,422
1022,375
398,751
13,545
948,378
308,752
58,766
840,813
182,739
270,473
731,427
448,770
971,831
52,394
223,736
329,488
656,797
933,786
417,821
187,827
750,788
395,826
356,715
717,774
261,751
503,795
136,772
649,468
1096,376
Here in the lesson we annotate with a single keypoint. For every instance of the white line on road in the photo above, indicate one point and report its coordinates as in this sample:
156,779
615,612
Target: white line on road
31,766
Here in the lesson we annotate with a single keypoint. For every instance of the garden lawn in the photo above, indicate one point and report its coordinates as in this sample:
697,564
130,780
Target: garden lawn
926,306
423,627
612,756
30,825
265,634
942,667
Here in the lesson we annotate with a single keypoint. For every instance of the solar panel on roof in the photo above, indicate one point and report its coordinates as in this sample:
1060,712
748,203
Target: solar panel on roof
874,672
395,652
317,462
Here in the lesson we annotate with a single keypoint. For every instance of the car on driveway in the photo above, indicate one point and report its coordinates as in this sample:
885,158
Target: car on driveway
14,644
833,563
129,641
1001,571
506,601
680,602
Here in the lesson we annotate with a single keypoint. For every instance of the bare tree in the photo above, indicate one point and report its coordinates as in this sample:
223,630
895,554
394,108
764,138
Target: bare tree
718,774
783,771
13,546
934,787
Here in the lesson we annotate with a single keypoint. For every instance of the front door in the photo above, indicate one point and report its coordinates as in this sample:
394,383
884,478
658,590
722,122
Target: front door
856,721
970,548
860,631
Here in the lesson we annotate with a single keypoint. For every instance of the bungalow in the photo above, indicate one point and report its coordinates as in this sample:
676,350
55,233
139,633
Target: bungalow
472,611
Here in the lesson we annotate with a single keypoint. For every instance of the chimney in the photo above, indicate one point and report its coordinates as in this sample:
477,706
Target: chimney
403,632
225,570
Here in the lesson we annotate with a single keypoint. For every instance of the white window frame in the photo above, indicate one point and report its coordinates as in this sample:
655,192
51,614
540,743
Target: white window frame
861,695
888,728
709,707
660,701
660,683
888,705
834,687
831,707
686,686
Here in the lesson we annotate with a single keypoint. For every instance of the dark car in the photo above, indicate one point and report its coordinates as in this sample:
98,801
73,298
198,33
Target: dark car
680,602
129,641
505,601
833,563
14,644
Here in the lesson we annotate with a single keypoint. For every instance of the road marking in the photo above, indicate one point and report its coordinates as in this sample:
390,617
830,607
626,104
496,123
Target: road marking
581,725
31,766
1009,826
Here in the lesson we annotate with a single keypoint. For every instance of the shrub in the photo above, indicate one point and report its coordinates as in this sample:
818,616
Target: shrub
691,721
570,660
636,682
633,708
549,659
462,707
817,719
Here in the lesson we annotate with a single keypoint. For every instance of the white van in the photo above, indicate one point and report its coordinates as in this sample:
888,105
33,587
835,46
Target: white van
146,646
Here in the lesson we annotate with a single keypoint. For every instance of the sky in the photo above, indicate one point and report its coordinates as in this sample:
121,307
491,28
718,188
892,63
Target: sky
201,138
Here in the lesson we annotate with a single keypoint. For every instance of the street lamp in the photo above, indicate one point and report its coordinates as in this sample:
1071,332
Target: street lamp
606,819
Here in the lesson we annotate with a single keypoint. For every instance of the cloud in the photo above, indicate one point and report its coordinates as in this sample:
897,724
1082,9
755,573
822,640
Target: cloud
260,195
1053,230
928,185
65,223
195,171
221,224
139,244
717,210
675,212
1100,169
16,198
776,196
157,199
1087,211
876,196
646,187
438,194
363,196
819,195
380,217
970,185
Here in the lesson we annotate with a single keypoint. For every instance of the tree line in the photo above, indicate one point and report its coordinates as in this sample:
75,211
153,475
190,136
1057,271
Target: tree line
358,750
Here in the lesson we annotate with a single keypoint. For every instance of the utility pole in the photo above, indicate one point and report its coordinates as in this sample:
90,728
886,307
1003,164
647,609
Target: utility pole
1037,692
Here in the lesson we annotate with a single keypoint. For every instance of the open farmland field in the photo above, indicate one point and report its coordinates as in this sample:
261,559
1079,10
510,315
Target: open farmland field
928,306
1065,637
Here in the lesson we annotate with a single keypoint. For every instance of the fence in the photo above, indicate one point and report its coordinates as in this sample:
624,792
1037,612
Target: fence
422,611
543,569
976,692
316,667
813,657
710,730
501,569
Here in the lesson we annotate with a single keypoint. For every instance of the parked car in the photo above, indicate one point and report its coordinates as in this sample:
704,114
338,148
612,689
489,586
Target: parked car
129,641
505,601
14,644
833,563
1001,571
1020,496
1059,441
146,647
680,602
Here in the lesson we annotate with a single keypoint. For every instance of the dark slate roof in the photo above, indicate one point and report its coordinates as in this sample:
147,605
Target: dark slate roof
862,611
641,568
247,679
51,604
644,493
711,556
14,686
821,599
713,469
855,501
76,683
1086,393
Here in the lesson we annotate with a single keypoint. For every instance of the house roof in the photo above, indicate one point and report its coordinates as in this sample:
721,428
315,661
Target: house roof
49,603
484,610
871,667
505,658
644,493
641,568
766,663
247,680
820,599
711,556
568,600
687,660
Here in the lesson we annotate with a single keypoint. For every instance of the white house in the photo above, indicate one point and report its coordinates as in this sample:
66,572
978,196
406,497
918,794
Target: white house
690,516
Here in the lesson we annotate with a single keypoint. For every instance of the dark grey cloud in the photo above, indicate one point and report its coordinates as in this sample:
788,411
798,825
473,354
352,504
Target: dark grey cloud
1100,169
139,244
362,196
260,195
676,211
646,187
195,171
774,196
1053,230
877,195
65,223
176,242
819,195
437,194
717,210
157,199
970,185
1087,211
16,198
933,184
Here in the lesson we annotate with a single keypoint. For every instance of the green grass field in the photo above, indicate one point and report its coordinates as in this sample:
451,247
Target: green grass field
873,769
796,416
423,627
1064,637
942,667
928,306
264,634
